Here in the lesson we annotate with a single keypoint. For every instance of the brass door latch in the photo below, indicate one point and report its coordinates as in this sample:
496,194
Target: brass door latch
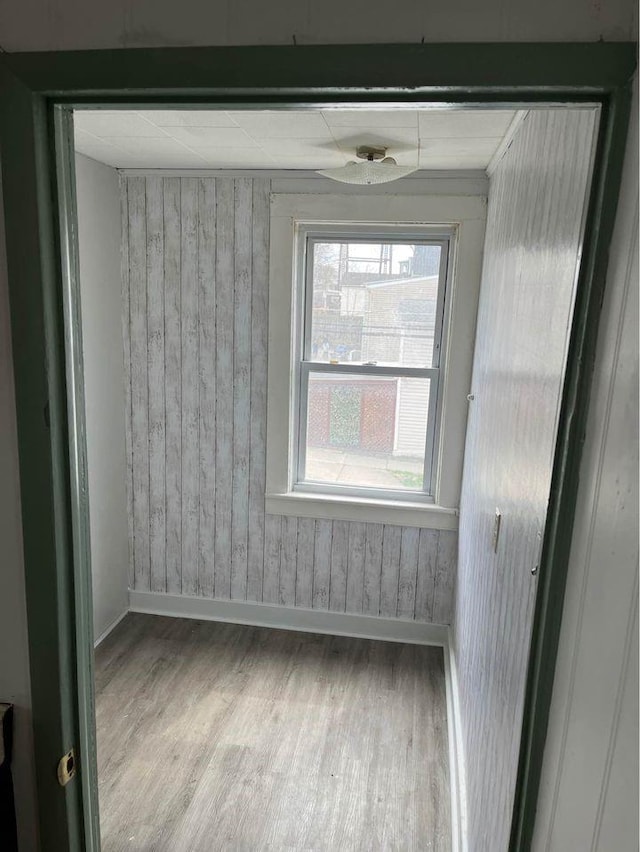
66,767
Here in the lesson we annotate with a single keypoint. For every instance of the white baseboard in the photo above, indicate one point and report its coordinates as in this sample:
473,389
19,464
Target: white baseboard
289,618
457,773
111,627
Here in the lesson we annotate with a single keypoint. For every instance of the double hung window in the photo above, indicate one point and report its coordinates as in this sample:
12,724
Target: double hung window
372,310
369,359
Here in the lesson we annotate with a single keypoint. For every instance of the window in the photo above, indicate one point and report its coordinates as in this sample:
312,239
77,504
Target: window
369,359
372,307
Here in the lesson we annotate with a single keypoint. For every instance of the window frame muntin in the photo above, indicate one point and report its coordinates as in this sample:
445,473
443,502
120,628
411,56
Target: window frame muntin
306,234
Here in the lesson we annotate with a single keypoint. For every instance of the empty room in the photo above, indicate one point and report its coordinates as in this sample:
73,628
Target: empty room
323,358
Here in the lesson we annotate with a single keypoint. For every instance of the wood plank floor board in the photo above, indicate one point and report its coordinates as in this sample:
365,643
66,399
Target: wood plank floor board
226,737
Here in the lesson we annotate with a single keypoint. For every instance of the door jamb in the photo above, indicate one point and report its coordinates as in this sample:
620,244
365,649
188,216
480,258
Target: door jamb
53,473
62,121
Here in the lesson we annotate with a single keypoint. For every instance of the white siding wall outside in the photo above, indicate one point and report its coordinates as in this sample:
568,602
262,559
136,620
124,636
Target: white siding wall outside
406,345
413,403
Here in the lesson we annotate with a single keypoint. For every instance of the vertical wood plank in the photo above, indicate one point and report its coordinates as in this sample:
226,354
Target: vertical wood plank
190,384
322,564
372,569
288,558
258,424
243,251
224,384
408,572
426,581
126,344
155,367
445,577
139,379
173,384
207,393
304,567
272,544
339,557
390,570
355,567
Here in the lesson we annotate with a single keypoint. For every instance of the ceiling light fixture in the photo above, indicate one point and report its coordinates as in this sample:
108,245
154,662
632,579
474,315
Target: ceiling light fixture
375,167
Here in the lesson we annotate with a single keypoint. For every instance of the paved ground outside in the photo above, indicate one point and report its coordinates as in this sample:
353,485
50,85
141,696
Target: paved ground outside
347,467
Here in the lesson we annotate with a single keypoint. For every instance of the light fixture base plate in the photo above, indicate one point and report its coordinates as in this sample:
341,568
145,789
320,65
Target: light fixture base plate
370,152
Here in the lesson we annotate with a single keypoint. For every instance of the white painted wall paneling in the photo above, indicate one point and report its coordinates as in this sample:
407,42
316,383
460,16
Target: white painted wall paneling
195,317
533,238
589,787
99,234
56,25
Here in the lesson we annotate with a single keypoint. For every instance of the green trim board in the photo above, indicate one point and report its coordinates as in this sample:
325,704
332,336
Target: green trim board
37,203
38,353
315,71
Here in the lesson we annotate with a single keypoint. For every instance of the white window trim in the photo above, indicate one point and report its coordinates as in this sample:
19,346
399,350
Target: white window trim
467,215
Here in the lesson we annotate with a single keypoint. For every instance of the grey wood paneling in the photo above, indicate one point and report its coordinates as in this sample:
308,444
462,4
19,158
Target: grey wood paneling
126,343
207,377
172,383
155,360
533,238
195,314
139,379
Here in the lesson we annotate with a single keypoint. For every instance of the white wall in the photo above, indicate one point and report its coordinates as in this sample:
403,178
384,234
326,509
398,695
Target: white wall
15,686
71,25
536,200
589,789
101,299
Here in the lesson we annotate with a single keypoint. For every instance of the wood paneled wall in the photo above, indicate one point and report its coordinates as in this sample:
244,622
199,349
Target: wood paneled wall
589,787
535,212
195,296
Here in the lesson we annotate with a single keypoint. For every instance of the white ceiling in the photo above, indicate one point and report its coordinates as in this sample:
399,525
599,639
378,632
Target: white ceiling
279,139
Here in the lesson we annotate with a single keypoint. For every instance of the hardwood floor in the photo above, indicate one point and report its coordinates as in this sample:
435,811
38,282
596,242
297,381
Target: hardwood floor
224,737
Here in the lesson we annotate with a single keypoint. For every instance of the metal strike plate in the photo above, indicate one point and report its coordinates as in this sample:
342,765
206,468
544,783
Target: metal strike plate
496,530
66,768
534,570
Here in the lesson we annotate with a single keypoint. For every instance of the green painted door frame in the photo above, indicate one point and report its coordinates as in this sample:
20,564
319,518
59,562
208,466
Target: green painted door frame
37,185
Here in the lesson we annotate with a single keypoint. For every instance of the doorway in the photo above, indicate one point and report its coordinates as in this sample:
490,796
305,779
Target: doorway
187,439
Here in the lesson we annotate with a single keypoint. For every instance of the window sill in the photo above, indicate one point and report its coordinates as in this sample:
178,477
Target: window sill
323,506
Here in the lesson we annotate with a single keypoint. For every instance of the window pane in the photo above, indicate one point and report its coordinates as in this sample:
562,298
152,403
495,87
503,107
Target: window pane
374,302
367,431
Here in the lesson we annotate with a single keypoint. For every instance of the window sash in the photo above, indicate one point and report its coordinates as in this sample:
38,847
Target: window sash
309,238
301,483
308,235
